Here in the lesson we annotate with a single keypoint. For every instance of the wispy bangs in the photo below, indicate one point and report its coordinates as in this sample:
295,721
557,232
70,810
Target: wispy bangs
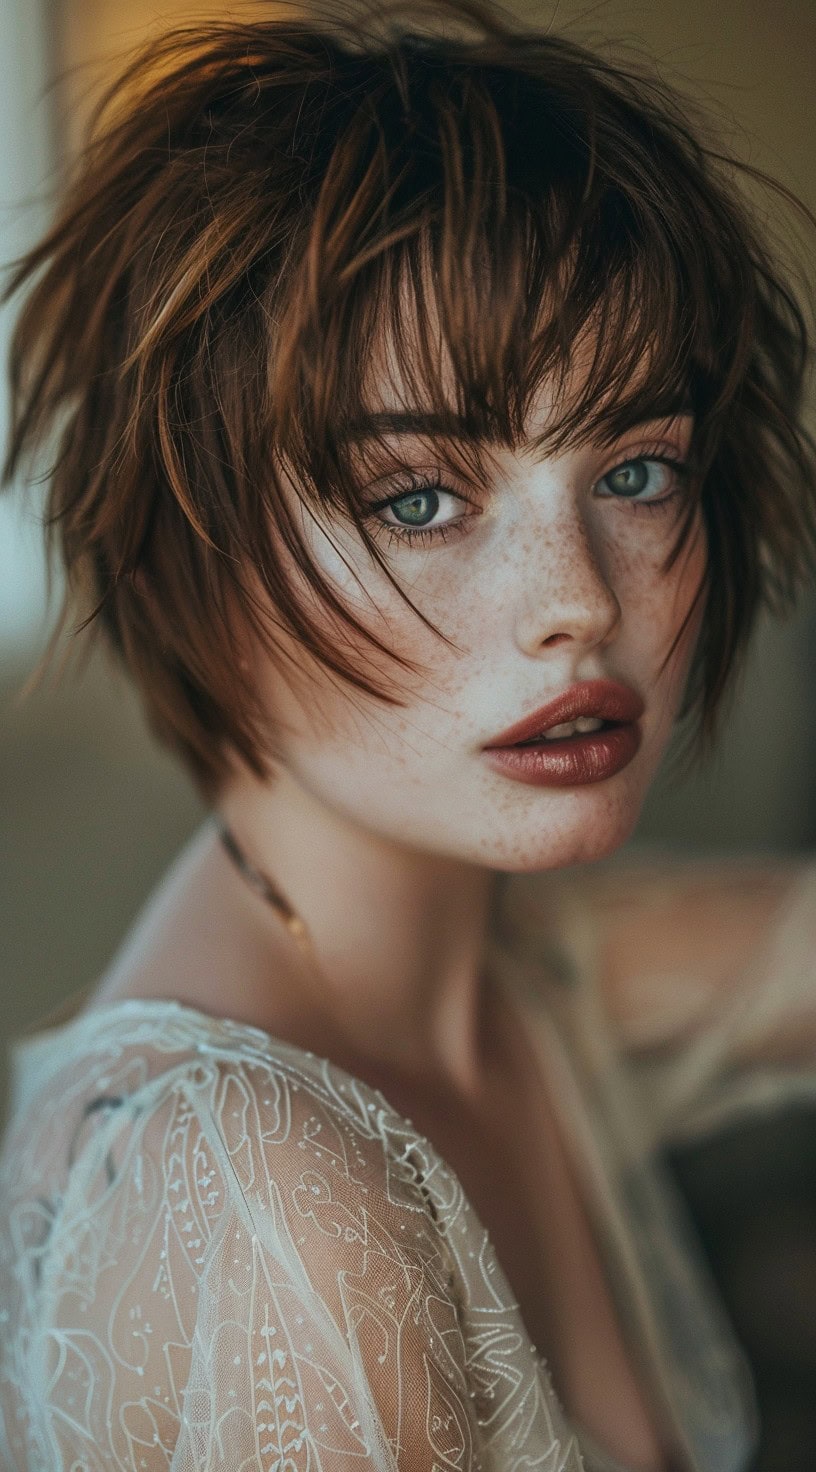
510,223
280,230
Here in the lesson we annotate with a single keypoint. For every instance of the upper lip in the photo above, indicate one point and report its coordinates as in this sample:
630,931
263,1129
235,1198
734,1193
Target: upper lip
603,698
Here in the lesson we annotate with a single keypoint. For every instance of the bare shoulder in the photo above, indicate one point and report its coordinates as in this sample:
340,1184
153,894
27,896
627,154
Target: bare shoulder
677,932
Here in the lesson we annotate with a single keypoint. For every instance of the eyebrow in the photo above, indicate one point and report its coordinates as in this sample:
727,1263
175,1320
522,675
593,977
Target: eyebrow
448,425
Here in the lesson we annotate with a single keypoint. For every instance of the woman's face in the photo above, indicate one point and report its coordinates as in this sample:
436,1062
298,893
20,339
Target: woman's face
544,572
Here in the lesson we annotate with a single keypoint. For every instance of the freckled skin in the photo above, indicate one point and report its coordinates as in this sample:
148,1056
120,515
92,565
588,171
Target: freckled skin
550,584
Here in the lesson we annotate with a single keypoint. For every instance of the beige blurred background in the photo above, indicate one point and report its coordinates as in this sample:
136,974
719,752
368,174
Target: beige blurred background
91,812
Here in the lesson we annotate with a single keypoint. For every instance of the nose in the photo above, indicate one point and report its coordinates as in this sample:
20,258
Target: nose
565,589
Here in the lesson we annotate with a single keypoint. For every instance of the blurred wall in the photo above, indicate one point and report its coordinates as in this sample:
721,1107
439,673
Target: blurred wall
26,160
92,811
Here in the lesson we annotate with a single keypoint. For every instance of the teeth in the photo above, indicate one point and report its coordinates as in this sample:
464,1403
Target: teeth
569,728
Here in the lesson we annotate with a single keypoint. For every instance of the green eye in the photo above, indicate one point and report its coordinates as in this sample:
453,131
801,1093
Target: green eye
412,515
654,475
416,508
629,479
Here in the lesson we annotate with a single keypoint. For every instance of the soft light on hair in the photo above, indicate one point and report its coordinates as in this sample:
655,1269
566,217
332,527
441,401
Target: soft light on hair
260,206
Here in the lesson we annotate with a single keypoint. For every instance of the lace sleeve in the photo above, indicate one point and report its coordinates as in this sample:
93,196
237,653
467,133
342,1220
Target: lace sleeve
327,1333
219,1258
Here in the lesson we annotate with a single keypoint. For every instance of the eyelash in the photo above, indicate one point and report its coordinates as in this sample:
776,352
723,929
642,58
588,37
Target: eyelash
417,483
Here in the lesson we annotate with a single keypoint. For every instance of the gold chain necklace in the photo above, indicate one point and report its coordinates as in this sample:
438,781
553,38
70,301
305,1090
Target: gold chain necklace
268,891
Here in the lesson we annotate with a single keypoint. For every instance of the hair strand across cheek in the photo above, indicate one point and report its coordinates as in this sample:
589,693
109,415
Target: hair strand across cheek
261,208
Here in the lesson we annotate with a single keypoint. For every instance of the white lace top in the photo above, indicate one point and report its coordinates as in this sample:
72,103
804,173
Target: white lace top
218,1251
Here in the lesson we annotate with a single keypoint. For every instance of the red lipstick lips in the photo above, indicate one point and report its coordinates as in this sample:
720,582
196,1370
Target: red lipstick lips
572,761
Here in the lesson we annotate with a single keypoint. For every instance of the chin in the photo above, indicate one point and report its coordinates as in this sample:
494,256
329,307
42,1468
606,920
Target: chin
581,832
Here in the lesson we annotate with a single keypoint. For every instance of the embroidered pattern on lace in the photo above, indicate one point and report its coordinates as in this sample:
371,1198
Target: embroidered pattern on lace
219,1258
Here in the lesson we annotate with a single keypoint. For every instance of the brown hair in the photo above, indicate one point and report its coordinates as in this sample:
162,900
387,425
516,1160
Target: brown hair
251,203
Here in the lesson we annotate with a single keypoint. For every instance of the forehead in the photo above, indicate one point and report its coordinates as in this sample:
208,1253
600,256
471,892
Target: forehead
398,400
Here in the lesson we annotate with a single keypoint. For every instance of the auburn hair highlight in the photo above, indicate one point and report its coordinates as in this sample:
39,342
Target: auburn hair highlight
260,207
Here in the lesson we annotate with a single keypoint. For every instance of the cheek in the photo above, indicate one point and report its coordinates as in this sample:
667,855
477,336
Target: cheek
656,601
320,713
658,606
687,579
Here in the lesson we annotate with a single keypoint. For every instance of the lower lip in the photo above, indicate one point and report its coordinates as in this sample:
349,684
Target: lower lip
574,761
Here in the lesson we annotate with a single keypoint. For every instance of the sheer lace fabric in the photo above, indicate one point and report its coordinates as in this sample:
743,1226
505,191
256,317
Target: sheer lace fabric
218,1251
239,1261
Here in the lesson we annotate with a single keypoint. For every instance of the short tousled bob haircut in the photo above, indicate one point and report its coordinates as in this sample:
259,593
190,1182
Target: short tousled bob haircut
257,204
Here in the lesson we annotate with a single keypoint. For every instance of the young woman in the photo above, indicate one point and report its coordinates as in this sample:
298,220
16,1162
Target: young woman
426,422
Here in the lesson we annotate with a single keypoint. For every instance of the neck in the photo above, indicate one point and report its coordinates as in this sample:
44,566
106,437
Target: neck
398,934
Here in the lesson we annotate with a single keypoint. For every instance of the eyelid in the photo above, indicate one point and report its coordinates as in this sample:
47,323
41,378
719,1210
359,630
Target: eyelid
435,479
644,451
